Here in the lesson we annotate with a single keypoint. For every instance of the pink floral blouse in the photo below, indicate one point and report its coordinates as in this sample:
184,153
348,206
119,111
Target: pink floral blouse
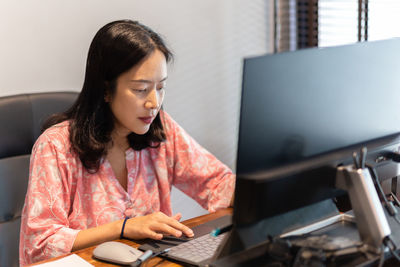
64,198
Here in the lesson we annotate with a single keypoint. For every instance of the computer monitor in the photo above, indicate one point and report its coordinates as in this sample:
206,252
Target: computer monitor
304,113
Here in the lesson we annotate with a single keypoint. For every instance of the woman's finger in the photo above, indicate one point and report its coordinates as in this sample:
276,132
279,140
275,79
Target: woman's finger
173,222
148,233
177,216
181,227
166,229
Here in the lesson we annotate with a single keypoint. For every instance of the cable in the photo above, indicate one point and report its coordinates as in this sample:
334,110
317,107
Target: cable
382,257
394,253
397,203
388,205
389,243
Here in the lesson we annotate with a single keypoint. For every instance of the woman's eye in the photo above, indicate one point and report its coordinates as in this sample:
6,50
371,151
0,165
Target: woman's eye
140,90
161,86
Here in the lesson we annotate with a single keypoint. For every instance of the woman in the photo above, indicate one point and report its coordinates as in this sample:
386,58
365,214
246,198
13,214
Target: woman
104,169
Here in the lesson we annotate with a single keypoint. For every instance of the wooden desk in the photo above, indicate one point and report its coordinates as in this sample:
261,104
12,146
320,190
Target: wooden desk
87,253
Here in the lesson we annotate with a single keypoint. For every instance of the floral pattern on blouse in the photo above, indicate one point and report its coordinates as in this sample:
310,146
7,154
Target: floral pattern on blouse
63,198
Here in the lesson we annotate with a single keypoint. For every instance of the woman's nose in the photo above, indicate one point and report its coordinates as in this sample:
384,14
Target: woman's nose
152,101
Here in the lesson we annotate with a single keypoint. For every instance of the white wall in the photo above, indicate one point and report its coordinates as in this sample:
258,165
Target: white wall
43,47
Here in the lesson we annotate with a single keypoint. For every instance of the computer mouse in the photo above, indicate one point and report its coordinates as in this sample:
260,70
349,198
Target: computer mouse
116,252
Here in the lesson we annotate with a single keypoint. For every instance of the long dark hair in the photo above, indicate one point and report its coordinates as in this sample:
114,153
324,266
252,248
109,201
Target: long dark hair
116,48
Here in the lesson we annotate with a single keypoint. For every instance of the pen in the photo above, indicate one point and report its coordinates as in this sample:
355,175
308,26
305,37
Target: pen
219,231
147,254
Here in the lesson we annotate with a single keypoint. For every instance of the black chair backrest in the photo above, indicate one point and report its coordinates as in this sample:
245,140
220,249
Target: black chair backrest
21,117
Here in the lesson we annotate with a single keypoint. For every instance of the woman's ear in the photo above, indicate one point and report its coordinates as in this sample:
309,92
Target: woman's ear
107,94
107,98
108,91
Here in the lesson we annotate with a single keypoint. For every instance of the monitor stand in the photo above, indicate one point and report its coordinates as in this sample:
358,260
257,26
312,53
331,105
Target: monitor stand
371,221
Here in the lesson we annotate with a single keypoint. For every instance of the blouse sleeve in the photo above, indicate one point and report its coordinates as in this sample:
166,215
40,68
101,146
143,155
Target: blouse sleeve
197,172
44,225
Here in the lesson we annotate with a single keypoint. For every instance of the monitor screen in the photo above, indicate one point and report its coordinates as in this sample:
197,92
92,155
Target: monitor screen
297,105
303,113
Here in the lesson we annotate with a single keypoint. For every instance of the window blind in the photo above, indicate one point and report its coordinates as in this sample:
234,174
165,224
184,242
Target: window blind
323,23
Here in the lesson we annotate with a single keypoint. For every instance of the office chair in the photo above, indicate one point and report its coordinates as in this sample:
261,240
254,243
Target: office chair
21,117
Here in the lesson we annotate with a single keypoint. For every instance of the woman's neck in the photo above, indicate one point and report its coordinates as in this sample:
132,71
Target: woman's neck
119,141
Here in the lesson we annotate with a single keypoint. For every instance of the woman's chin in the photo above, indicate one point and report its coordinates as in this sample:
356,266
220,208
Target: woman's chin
141,131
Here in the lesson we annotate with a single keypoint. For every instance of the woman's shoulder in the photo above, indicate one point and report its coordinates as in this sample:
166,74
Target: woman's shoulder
173,131
61,128
57,134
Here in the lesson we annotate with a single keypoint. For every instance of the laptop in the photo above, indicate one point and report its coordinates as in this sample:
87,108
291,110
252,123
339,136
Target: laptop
198,250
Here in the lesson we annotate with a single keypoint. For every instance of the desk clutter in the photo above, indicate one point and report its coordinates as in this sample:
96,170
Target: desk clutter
337,244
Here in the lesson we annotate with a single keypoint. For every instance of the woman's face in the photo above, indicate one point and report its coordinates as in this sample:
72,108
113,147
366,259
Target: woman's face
138,95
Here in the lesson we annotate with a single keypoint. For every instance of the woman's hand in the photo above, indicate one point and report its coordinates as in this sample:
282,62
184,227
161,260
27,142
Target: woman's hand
155,226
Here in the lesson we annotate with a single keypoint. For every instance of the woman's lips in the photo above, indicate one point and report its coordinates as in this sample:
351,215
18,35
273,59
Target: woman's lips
146,120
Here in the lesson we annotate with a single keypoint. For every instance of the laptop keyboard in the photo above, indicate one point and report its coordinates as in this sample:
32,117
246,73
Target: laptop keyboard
197,250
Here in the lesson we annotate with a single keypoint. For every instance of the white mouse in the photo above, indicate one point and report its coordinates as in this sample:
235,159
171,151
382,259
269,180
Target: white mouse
117,252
